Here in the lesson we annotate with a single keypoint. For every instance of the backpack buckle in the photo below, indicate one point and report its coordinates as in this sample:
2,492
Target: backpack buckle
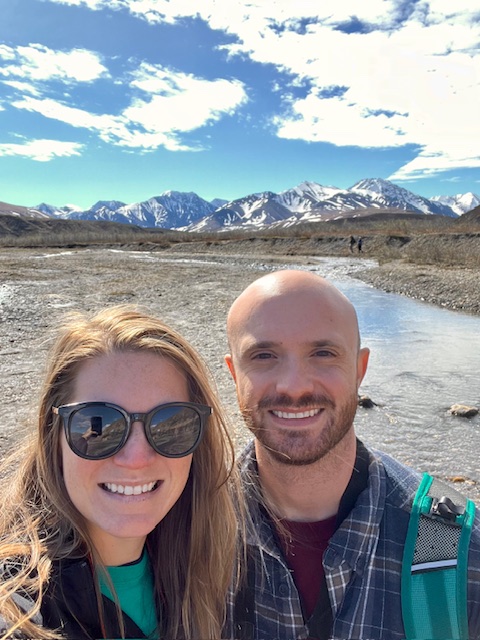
445,509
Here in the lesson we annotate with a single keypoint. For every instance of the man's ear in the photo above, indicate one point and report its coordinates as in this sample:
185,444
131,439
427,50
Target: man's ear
362,364
231,368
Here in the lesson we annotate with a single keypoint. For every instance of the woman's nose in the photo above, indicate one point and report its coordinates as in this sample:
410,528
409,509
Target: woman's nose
137,451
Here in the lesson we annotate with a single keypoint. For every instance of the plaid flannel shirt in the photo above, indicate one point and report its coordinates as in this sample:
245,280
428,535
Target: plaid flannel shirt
362,563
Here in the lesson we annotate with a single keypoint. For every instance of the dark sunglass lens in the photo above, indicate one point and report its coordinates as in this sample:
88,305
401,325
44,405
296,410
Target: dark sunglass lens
175,430
97,431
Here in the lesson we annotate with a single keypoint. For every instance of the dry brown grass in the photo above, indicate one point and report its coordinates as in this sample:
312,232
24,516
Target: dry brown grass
429,240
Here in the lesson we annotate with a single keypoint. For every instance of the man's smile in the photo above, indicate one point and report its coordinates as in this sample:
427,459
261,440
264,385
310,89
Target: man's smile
292,415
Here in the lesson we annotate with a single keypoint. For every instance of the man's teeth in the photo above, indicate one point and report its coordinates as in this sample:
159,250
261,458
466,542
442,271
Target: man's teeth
298,414
128,489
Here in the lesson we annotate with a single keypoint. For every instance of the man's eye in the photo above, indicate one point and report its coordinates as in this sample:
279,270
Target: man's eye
262,356
324,353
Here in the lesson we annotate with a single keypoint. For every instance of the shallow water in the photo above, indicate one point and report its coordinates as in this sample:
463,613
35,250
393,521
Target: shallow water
423,359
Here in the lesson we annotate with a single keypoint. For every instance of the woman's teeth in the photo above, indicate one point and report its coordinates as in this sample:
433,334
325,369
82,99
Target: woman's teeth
128,489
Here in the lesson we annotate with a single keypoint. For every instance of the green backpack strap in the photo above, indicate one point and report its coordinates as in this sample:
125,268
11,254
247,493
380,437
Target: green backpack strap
435,563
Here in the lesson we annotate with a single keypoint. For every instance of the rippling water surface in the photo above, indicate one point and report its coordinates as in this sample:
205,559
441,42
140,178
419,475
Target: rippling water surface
423,359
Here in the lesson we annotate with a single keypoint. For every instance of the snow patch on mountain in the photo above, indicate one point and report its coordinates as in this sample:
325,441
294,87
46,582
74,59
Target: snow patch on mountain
57,212
387,194
461,203
305,196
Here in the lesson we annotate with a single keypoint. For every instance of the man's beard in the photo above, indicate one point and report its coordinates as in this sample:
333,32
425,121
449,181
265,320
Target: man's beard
301,446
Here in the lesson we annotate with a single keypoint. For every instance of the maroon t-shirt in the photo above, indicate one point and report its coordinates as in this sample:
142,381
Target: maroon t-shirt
303,545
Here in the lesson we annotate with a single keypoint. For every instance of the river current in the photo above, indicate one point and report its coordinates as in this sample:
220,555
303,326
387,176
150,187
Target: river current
423,359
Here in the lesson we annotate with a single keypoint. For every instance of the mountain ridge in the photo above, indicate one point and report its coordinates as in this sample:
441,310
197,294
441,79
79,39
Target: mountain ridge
307,202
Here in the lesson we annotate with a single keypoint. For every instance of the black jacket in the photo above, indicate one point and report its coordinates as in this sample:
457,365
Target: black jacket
70,606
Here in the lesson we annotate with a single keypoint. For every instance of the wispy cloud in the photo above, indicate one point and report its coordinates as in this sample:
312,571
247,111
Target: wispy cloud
453,179
41,150
23,87
36,62
159,117
167,109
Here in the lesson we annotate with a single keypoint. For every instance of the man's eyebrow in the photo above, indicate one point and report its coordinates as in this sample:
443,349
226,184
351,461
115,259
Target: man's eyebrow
324,343
270,344
262,344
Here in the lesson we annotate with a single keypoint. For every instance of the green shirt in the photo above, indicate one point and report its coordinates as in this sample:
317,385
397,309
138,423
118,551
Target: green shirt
134,587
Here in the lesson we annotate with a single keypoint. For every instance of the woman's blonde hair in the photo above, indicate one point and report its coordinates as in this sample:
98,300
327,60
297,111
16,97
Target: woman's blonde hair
192,549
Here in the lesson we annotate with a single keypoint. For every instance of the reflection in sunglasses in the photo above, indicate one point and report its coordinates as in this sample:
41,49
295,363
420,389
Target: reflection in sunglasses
98,430
177,433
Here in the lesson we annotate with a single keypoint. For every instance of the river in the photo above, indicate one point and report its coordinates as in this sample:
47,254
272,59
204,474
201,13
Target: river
423,359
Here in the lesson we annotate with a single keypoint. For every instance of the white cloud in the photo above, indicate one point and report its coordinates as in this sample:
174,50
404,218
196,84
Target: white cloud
64,113
36,62
409,78
180,102
23,87
41,150
430,163
176,103
410,73
341,123
91,4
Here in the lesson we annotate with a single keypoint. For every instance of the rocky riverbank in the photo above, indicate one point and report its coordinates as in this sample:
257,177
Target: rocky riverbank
455,289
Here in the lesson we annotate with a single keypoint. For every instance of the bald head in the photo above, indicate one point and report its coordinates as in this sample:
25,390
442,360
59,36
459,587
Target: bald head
289,292
297,365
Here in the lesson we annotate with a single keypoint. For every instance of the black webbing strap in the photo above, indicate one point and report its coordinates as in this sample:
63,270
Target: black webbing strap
321,620
244,622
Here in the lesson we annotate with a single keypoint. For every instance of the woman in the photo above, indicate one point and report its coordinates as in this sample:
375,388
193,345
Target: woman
117,520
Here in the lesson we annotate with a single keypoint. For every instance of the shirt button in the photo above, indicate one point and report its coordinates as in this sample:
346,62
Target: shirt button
283,589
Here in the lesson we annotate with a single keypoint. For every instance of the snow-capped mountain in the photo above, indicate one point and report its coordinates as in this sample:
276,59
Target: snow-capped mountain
218,202
311,202
17,211
171,210
100,210
307,202
257,210
58,212
305,196
461,203
387,194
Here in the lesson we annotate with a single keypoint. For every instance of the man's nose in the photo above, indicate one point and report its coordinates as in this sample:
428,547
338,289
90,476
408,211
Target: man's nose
137,451
294,378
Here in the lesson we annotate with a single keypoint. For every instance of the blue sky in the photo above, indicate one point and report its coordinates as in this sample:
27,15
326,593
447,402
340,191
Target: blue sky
126,99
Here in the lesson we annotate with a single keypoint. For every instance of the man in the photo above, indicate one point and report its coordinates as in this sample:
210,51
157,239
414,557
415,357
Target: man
329,517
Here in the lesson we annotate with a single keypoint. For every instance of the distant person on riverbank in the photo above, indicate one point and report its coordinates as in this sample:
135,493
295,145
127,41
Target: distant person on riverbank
352,243
116,515
360,245
329,516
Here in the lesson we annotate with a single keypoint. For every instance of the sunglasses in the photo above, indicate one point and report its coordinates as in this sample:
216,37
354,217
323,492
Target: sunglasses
98,430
